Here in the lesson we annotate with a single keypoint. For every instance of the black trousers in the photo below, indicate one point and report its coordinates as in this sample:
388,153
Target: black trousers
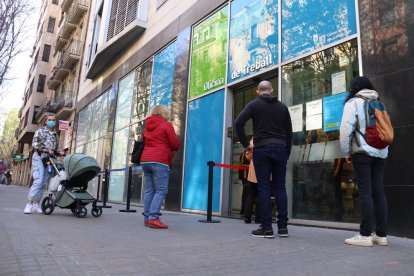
369,172
250,199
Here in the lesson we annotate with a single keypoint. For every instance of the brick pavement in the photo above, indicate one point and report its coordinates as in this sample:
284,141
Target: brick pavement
118,244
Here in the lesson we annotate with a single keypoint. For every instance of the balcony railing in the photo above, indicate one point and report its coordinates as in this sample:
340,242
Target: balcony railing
44,108
64,100
65,5
68,59
64,35
79,8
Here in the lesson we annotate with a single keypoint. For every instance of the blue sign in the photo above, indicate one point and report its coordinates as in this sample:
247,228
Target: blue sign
253,37
333,108
203,144
312,24
163,77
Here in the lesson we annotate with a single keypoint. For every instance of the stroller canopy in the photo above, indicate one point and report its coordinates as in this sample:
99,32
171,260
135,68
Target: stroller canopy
79,163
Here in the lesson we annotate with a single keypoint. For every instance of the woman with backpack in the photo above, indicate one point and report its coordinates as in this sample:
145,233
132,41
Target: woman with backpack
368,163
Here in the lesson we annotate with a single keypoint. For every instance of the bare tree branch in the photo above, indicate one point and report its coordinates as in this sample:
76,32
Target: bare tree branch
13,16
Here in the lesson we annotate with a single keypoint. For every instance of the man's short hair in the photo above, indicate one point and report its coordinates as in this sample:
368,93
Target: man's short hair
264,85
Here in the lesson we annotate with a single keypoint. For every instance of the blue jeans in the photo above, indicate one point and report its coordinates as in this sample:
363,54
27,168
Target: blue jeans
40,178
369,174
270,163
156,187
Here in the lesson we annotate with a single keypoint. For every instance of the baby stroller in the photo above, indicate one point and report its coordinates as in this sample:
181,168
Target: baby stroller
71,193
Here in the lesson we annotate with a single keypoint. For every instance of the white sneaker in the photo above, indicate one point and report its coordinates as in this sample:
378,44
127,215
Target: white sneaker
36,208
360,240
379,240
28,209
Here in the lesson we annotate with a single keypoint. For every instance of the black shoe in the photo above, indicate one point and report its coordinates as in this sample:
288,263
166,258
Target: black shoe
247,220
283,232
262,233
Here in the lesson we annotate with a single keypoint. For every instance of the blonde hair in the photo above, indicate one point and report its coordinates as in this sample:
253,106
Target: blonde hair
161,110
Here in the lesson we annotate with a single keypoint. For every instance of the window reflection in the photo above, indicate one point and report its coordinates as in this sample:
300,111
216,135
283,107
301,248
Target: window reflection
322,183
142,90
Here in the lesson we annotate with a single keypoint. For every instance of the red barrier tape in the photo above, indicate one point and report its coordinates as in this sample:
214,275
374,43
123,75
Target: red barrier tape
231,166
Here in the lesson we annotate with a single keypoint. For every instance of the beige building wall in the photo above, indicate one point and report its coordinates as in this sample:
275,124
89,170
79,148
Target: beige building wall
158,20
39,67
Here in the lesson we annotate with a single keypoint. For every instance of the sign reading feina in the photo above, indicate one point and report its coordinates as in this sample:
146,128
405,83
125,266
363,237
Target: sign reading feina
311,24
208,56
253,37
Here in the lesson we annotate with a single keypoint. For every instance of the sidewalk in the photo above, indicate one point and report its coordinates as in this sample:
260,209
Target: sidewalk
118,244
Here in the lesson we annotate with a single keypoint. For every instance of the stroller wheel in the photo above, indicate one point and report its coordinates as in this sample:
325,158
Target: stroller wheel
96,211
81,212
48,205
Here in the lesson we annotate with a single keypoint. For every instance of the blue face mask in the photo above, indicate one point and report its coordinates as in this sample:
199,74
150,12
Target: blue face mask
51,124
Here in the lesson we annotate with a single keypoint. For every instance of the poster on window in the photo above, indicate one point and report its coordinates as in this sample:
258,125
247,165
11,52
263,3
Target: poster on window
253,41
333,107
310,25
208,56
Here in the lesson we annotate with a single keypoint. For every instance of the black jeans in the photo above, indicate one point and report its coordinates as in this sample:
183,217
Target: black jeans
369,173
244,195
270,162
250,199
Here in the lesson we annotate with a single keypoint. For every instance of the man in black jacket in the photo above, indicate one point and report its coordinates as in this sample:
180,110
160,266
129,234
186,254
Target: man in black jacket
272,139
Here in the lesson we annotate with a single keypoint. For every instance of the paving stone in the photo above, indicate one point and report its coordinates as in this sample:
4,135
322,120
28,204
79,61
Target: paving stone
118,244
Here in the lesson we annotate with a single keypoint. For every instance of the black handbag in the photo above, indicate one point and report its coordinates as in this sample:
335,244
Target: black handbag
137,152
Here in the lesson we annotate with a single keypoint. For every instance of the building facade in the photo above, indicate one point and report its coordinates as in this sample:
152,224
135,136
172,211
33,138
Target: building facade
38,98
203,59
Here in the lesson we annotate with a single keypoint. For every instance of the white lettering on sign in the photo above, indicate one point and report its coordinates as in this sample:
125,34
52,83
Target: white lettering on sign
259,64
213,83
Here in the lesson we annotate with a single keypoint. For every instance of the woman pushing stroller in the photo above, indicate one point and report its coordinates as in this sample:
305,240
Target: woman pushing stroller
45,144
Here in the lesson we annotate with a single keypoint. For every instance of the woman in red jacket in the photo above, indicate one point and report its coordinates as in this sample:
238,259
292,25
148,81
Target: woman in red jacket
160,142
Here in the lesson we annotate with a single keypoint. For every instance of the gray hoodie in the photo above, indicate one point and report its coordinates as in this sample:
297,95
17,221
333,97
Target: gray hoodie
352,118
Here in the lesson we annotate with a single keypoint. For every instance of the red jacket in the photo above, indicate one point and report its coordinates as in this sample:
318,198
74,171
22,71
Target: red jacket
160,141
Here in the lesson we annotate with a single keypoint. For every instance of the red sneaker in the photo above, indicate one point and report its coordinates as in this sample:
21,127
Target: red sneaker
156,223
145,222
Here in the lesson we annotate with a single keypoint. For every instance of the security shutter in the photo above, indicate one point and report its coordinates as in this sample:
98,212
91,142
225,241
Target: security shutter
123,12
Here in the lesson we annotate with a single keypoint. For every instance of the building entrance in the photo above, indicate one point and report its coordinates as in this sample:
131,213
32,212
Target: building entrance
241,97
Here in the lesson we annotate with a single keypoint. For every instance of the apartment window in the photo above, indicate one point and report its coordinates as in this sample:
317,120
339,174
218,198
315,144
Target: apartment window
26,117
160,3
41,83
96,28
31,88
35,111
51,25
56,2
123,12
46,53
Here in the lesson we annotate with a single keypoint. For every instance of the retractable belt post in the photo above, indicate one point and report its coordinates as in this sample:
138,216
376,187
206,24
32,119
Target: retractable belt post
99,187
210,165
127,210
105,190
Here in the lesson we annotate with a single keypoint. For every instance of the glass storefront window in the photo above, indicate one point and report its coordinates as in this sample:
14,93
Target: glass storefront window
142,92
123,110
321,184
136,134
163,77
118,161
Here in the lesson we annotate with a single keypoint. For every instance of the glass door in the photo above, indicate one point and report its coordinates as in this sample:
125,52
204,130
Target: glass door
241,97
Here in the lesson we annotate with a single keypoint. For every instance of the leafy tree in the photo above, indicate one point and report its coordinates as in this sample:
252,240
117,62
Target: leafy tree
7,138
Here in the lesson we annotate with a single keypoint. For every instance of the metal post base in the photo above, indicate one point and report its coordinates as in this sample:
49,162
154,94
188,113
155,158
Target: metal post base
209,221
128,211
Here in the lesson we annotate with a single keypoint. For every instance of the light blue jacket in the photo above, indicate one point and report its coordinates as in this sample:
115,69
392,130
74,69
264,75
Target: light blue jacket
352,118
